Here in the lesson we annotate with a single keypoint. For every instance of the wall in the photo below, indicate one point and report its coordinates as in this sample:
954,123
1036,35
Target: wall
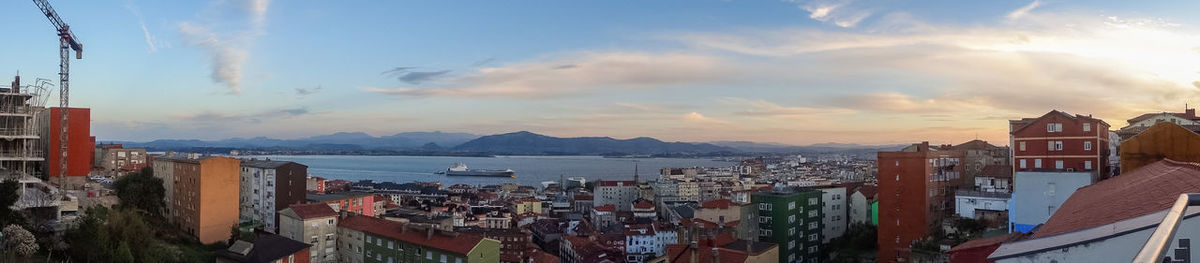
1073,155
218,210
859,210
834,213
902,202
966,205
1116,248
1164,140
1037,195
79,146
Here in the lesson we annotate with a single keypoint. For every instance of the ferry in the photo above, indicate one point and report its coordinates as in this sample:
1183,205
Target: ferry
460,169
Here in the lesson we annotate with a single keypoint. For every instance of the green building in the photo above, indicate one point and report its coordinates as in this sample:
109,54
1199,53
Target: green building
386,241
875,213
792,220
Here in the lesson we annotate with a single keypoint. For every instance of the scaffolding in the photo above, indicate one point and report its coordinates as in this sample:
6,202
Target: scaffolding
20,146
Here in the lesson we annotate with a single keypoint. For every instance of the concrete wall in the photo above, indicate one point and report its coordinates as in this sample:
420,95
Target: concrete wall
1037,195
834,213
218,205
966,205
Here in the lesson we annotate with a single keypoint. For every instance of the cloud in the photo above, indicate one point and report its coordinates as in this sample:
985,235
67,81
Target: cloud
151,41
842,13
763,108
225,59
227,118
1024,10
697,118
227,51
408,75
483,62
588,72
308,91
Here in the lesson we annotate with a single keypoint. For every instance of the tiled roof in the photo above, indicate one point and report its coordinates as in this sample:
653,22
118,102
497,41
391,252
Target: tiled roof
997,170
717,204
974,145
1025,122
681,253
337,196
314,210
606,208
983,242
1149,189
460,244
643,205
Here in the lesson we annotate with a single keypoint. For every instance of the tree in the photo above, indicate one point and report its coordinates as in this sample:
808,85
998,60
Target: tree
9,194
19,240
123,254
141,190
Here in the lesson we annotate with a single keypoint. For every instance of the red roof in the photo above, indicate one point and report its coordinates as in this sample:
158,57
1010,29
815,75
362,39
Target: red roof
681,253
1147,190
313,210
983,242
1025,123
643,205
606,208
461,244
717,204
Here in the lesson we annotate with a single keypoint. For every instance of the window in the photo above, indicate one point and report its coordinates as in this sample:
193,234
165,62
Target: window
812,249
812,237
1058,145
812,201
443,258
792,244
1058,164
1037,163
792,205
1087,165
1022,163
791,231
390,245
791,218
812,213
1051,210
1087,127
812,225
429,255
330,222
368,239
1087,145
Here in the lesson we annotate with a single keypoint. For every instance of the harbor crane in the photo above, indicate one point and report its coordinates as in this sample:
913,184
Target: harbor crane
66,43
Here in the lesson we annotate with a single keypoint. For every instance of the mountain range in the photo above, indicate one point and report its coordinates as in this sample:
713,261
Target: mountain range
516,143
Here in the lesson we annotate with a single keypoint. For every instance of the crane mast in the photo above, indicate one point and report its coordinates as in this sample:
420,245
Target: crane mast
67,43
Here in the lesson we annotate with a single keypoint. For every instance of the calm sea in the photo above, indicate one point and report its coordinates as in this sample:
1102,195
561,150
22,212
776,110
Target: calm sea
530,170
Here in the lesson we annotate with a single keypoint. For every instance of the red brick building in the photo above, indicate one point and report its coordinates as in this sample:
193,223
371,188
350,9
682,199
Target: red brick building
916,190
352,202
1058,141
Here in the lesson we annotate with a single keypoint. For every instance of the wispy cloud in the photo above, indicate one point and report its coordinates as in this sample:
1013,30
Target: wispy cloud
227,52
411,76
1024,10
587,72
151,41
697,118
308,91
256,117
838,12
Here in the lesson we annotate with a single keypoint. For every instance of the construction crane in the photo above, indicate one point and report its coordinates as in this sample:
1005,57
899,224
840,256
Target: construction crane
66,43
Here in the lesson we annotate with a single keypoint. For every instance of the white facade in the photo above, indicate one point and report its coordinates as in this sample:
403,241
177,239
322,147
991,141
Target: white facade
618,193
834,210
993,184
642,244
859,209
258,197
966,204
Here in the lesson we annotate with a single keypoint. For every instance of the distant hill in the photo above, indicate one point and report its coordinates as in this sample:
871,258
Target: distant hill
528,143
756,147
336,141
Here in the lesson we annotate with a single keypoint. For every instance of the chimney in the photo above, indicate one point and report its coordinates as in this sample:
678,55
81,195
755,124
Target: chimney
716,255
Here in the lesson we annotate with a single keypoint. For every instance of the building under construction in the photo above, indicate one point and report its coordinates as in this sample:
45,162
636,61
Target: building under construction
20,146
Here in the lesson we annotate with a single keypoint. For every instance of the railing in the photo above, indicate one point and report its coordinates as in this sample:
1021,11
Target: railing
1160,241
962,192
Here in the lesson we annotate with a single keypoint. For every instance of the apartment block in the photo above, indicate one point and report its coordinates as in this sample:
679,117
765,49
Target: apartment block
351,202
1058,141
916,190
315,224
268,186
618,193
391,241
79,146
791,219
202,200
117,158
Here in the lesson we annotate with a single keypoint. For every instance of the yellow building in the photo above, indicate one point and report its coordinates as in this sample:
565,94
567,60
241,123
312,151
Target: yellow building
527,205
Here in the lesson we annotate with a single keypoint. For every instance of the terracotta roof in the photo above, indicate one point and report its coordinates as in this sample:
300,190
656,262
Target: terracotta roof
313,210
636,230
542,257
681,253
997,170
606,208
717,204
1025,122
1149,189
974,145
643,205
460,244
983,242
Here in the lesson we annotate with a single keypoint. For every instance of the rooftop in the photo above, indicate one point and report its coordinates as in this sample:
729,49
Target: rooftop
265,164
314,210
266,248
337,196
1147,190
459,243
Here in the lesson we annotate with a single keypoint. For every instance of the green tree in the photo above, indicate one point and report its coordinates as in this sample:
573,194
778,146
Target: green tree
123,254
9,196
141,190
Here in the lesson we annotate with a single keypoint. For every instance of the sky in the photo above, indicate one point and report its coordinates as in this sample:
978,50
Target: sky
794,72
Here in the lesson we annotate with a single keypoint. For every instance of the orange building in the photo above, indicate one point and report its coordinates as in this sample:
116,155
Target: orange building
79,146
204,201
1163,140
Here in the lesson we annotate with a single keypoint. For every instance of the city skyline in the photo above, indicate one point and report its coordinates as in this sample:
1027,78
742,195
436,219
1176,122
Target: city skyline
794,72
